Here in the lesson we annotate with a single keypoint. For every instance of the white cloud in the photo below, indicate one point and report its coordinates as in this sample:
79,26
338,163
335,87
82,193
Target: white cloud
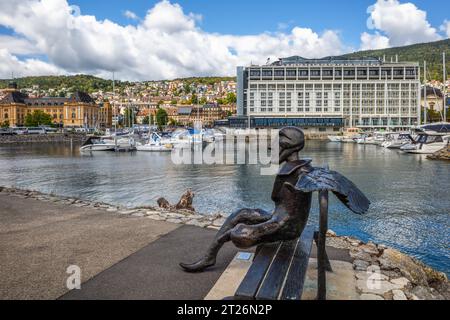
373,41
446,28
402,24
130,15
28,67
167,43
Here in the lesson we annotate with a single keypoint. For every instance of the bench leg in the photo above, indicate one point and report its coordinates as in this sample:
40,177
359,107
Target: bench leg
327,260
321,251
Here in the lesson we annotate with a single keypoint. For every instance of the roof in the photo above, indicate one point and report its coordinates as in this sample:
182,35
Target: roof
80,96
185,110
14,97
431,91
295,60
19,97
50,101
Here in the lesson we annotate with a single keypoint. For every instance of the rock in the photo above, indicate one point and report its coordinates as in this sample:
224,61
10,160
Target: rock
401,282
197,223
375,287
370,296
360,255
172,220
219,222
424,293
111,209
360,265
138,214
369,248
213,227
331,233
157,218
398,295
374,276
392,259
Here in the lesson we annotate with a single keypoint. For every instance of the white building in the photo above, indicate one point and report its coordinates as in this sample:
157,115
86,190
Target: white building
329,92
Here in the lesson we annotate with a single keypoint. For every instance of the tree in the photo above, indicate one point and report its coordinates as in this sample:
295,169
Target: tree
147,119
231,98
203,100
174,102
194,99
38,118
5,124
161,117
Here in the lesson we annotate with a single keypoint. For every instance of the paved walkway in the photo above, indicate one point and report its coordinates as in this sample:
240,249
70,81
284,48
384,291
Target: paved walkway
39,240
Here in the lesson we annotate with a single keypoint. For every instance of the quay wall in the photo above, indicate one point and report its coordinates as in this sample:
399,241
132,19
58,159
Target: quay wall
42,138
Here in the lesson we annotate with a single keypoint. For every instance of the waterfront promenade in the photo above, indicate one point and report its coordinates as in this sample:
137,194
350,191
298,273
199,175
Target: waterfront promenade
134,254
40,239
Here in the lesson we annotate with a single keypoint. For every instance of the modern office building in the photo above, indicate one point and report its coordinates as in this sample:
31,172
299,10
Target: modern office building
326,94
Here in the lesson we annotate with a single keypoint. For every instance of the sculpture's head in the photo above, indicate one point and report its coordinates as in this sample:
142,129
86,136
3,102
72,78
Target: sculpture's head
291,140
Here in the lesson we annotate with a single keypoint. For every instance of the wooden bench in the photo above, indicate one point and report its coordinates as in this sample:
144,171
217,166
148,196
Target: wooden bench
278,270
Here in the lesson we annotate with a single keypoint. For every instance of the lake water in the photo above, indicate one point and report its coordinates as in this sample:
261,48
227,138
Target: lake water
410,195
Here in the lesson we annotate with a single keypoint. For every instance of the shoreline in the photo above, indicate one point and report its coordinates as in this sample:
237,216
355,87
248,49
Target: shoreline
394,275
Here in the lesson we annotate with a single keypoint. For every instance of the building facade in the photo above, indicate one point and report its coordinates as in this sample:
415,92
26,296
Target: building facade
329,93
80,110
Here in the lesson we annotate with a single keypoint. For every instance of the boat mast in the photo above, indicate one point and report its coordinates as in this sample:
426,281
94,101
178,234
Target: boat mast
444,91
114,111
424,92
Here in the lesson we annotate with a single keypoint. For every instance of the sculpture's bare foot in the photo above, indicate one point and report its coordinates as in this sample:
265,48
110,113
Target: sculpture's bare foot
198,266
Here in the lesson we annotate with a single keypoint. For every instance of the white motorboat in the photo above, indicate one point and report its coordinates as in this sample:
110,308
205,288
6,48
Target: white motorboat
335,138
349,135
365,139
427,143
97,144
397,140
153,146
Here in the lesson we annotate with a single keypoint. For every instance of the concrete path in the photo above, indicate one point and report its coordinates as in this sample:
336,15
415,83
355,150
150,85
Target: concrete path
39,240
153,273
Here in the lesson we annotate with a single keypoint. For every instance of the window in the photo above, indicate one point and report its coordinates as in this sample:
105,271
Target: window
255,73
279,73
291,73
315,73
303,73
267,73
6,116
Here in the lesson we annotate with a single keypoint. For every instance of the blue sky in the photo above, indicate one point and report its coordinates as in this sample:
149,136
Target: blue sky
256,16
166,39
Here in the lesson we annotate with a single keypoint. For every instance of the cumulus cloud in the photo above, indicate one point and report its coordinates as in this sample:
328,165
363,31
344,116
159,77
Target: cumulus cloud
130,15
373,41
401,23
29,67
166,43
446,28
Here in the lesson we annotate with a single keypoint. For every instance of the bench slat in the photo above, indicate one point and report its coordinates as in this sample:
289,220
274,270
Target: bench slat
252,280
295,279
273,282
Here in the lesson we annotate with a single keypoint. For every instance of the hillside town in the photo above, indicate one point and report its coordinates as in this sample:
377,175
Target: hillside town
137,103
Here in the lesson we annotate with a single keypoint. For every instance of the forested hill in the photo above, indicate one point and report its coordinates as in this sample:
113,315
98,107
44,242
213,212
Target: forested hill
430,52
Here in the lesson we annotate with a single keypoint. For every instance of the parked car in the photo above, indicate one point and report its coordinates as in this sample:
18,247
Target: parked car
36,130
6,132
50,129
20,130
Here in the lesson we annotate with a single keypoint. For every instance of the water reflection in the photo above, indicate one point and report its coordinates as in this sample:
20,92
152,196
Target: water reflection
410,195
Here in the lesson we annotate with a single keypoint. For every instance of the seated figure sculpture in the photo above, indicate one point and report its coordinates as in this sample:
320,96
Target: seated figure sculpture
292,195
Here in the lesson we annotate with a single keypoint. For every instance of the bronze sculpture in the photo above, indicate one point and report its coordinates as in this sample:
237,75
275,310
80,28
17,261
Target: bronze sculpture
292,195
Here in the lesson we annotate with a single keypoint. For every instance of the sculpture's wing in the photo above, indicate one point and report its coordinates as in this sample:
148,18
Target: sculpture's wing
346,191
